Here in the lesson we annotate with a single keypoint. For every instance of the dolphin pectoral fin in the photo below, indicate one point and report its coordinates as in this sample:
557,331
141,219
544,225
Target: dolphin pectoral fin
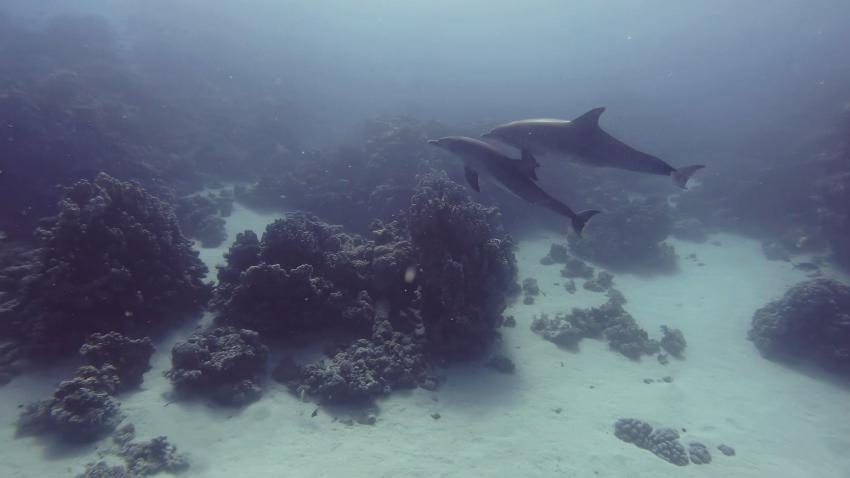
581,218
528,164
682,175
471,178
589,119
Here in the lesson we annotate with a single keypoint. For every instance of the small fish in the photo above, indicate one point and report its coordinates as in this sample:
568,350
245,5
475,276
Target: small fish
315,412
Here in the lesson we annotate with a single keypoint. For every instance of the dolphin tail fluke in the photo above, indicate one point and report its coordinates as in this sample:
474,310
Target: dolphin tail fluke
682,175
581,218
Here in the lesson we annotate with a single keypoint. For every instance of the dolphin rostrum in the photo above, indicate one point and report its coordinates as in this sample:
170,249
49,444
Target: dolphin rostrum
583,140
515,176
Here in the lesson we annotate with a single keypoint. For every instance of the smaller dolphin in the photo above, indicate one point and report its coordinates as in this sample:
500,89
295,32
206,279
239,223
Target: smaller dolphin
515,176
583,140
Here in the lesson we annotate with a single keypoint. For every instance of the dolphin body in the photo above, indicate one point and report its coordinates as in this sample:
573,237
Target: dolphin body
584,141
515,176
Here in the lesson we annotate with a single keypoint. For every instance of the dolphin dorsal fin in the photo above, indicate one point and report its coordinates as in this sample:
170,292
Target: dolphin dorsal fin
590,119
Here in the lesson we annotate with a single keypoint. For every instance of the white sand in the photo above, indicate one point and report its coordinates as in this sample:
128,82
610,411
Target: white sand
782,422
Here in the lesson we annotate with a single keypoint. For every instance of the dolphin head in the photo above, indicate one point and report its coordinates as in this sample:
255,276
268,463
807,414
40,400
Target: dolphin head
463,146
449,143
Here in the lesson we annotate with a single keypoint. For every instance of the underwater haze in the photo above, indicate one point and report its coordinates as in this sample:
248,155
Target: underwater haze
424,238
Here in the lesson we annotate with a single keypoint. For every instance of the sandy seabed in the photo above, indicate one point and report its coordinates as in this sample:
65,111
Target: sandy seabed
553,418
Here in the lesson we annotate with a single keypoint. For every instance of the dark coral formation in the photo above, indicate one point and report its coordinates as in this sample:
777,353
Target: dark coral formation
577,268
557,255
501,364
102,470
699,453
201,217
603,281
223,362
467,268
530,289
140,458
810,322
427,287
629,238
632,430
608,321
673,341
153,456
305,275
112,260
130,357
663,442
82,409
368,368
726,450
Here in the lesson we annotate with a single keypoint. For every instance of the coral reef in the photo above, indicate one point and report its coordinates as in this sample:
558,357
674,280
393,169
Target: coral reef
467,268
305,275
810,322
368,368
603,281
530,289
501,364
726,450
576,268
152,457
81,410
130,357
557,255
140,459
224,362
629,238
102,470
112,260
429,286
201,217
609,321
673,341
663,442
699,453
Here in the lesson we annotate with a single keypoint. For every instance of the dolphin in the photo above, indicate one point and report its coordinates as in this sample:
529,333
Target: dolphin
515,176
583,140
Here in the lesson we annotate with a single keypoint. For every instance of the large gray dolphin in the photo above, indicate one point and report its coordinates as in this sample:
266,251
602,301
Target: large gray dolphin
514,176
583,140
